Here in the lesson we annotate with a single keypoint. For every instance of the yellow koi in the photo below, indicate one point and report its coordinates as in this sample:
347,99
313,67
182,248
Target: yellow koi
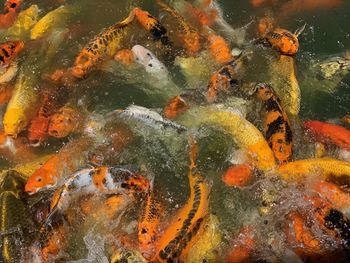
297,170
24,23
244,133
57,18
283,77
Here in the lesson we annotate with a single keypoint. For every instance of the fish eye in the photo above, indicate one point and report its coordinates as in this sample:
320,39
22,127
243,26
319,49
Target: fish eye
13,5
39,179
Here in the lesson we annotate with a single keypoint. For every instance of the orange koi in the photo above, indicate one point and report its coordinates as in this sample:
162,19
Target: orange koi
188,34
204,18
10,13
125,56
53,243
266,24
38,129
295,6
238,175
64,122
185,225
243,247
327,132
12,6
53,169
284,41
105,44
175,107
219,49
148,227
333,194
276,124
9,51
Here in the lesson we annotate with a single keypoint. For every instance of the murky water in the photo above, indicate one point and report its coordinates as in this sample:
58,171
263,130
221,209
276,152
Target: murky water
268,220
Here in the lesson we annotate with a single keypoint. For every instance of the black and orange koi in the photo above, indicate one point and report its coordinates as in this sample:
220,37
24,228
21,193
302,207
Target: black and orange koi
186,223
277,129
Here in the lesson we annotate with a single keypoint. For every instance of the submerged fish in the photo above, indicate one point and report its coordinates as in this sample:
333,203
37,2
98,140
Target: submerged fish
8,53
244,133
64,122
283,78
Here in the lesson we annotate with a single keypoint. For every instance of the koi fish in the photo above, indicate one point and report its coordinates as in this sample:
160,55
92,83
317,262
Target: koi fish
148,227
243,246
125,56
284,41
276,124
333,194
327,132
9,50
245,134
57,18
175,107
152,25
128,256
237,175
64,163
174,241
25,21
204,245
295,6
53,241
65,121
219,49
38,128
106,180
15,224
10,13
283,78
295,171
105,44
189,36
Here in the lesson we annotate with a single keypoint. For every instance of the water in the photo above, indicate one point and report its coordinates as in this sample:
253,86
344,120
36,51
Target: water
158,149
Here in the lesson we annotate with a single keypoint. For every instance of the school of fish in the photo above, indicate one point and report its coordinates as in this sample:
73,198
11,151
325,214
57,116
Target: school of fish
160,131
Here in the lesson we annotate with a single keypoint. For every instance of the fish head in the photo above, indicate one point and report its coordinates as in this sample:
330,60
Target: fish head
146,20
147,59
12,6
40,179
15,121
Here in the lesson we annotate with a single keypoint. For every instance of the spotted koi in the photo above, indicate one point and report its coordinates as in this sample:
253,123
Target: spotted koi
9,51
106,180
219,49
152,25
148,232
186,223
105,44
276,124
188,34
10,13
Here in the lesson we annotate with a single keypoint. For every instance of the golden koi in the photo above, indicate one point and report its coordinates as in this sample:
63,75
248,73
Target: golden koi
185,225
244,133
188,34
105,44
283,77
276,124
295,171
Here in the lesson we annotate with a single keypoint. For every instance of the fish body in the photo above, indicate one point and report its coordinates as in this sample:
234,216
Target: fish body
219,49
148,227
327,132
104,180
58,18
283,78
25,21
15,219
9,51
284,41
188,34
276,124
296,170
245,134
185,225
22,106
105,44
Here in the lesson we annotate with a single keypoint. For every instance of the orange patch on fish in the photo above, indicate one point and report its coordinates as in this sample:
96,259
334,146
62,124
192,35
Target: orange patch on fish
54,243
295,6
9,51
219,49
266,24
64,122
258,3
124,56
333,194
327,132
204,18
243,247
284,41
175,107
99,177
238,175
